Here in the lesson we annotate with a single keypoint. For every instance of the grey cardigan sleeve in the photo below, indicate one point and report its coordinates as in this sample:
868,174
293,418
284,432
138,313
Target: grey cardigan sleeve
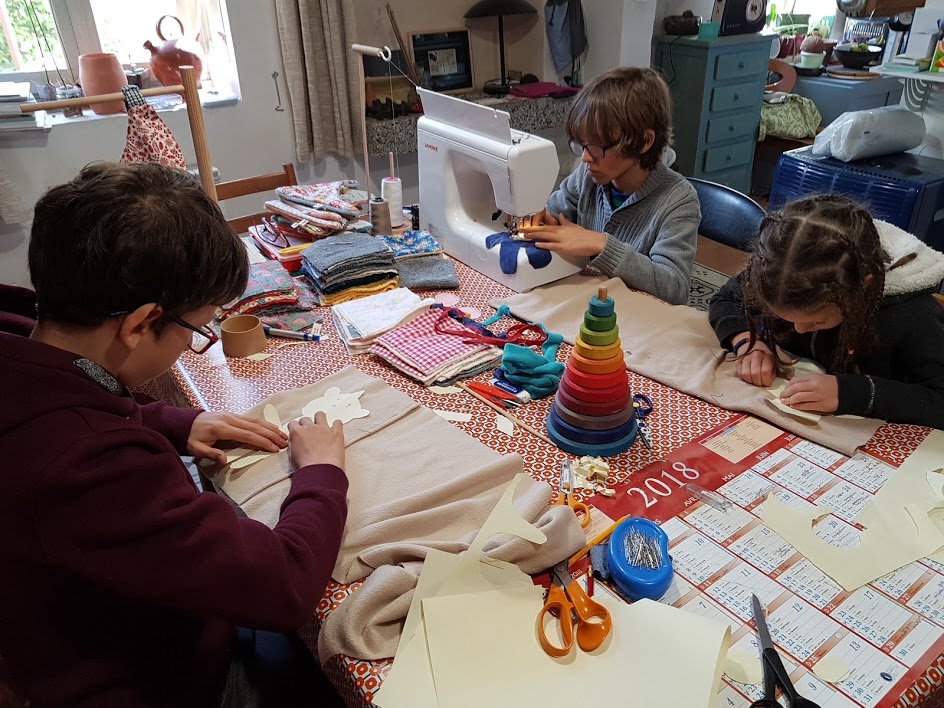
564,200
666,270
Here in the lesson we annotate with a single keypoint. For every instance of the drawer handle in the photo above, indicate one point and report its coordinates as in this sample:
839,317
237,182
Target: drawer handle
737,97
728,157
740,65
731,128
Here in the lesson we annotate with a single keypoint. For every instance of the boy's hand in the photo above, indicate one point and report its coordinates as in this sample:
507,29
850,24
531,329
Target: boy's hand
211,428
543,218
567,238
756,367
817,393
316,442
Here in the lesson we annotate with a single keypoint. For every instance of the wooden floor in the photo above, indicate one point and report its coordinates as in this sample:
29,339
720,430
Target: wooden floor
719,257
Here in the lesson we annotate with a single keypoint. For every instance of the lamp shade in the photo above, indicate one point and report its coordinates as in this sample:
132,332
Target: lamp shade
498,8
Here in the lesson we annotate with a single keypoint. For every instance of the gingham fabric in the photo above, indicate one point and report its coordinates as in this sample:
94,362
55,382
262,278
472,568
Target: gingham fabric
421,352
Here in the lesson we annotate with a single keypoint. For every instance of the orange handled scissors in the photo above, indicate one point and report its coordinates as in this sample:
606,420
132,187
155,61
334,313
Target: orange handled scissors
565,601
565,495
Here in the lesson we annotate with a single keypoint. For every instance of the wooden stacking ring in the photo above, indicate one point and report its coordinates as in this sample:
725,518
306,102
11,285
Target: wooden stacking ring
599,324
591,437
592,422
598,339
593,366
591,395
596,380
581,449
601,408
599,353
601,308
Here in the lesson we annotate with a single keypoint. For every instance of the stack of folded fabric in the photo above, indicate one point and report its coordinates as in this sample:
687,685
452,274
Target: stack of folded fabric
269,286
420,261
343,197
430,349
360,322
349,266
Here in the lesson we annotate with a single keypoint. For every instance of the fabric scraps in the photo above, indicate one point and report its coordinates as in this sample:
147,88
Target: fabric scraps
508,252
428,273
149,139
411,244
337,196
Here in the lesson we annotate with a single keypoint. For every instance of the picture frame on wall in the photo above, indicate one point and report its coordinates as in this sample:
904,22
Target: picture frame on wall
443,60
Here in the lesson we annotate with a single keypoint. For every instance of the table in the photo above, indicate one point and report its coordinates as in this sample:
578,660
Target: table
212,382
834,97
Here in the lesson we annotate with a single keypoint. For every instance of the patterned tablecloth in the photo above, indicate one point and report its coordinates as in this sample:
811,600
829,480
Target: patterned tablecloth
212,382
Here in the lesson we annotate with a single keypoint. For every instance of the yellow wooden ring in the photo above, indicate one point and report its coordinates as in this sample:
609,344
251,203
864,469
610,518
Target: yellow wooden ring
596,353
594,366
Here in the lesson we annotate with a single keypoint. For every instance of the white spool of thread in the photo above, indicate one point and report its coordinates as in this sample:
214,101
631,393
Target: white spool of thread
392,190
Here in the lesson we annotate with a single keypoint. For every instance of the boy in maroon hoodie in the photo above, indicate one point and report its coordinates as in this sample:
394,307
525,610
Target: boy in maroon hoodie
122,583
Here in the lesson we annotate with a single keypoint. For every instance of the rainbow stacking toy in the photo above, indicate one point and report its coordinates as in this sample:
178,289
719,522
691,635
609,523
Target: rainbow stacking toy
593,411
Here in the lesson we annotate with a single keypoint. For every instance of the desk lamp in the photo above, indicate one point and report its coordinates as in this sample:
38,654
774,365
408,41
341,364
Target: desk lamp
499,8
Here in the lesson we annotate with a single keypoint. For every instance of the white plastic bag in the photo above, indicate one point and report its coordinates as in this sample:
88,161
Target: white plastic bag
877,131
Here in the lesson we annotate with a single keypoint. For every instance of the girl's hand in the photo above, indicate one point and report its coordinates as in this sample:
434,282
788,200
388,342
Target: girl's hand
211,428
756,367
567,238
817,393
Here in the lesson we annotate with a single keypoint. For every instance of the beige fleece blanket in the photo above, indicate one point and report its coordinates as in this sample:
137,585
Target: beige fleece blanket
416,482
675,345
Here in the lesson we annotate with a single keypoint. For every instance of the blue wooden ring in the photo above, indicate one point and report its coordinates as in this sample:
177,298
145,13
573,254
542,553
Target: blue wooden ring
601,308
582,449
591,437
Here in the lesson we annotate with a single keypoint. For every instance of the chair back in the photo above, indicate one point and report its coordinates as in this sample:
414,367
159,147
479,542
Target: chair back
727,216
254,185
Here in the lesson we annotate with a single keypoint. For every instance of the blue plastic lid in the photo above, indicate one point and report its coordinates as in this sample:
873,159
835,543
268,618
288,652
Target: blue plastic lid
638,582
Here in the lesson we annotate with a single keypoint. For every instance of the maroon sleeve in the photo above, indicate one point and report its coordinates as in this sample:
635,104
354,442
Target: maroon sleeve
171,422
132,522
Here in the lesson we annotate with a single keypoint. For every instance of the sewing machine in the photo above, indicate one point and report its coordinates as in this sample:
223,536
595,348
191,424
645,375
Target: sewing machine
479,178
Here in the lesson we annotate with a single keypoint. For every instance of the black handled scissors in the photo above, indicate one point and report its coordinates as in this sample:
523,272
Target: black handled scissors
643,407
775,673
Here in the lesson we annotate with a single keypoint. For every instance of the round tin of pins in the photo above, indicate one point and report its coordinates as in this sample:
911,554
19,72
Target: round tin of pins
638,559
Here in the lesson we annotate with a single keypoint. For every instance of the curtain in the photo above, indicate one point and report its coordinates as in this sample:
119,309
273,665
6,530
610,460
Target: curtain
321,75
13,210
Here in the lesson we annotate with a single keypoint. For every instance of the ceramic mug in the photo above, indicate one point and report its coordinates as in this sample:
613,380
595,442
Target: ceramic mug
812,60
242,336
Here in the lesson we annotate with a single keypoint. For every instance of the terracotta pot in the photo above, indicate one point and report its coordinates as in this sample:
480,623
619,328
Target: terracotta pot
100,74
167,59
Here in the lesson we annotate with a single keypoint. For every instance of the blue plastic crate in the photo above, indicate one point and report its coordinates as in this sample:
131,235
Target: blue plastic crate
903,189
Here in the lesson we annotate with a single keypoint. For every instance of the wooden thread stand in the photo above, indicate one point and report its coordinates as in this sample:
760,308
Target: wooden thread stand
188,88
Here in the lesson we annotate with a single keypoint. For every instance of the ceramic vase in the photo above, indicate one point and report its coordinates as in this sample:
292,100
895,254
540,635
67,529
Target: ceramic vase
100,74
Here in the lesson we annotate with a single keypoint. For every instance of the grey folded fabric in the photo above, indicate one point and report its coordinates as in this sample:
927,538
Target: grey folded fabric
428,273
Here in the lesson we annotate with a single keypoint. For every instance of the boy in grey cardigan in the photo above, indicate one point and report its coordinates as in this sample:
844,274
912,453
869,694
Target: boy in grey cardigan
635,218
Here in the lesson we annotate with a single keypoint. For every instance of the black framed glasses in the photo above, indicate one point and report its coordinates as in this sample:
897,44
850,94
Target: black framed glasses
597,152
202,338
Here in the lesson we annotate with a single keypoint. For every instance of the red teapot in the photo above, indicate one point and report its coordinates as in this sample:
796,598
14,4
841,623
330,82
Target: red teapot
167,59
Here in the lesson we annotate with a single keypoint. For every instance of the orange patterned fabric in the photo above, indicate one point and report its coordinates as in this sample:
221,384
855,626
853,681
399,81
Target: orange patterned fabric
149,138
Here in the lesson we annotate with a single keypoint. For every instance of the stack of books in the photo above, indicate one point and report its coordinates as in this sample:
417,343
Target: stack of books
909,63
12,95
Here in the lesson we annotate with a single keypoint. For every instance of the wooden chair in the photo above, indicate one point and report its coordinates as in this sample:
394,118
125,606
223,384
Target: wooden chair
254,185
786,72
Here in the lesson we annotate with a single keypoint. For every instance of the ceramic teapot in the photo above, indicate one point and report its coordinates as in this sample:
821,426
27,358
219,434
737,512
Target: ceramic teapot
167,59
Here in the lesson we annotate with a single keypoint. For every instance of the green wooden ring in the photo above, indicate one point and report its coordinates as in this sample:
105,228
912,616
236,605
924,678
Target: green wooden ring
598,339
599,324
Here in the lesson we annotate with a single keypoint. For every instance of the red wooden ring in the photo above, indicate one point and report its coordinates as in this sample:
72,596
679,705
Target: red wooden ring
598,409
593,422
597,380
591,395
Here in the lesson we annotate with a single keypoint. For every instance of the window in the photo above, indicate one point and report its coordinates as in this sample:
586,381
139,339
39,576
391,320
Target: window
42,39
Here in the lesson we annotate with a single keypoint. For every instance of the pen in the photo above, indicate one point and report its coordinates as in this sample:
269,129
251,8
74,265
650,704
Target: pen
288,334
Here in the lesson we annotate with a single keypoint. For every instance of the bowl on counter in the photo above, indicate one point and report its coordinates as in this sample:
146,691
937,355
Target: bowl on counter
856,56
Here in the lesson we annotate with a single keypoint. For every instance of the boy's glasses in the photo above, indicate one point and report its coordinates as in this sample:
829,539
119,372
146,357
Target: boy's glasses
202,338
597,152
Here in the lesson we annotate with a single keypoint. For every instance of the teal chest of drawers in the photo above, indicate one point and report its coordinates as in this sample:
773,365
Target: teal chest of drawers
717,89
